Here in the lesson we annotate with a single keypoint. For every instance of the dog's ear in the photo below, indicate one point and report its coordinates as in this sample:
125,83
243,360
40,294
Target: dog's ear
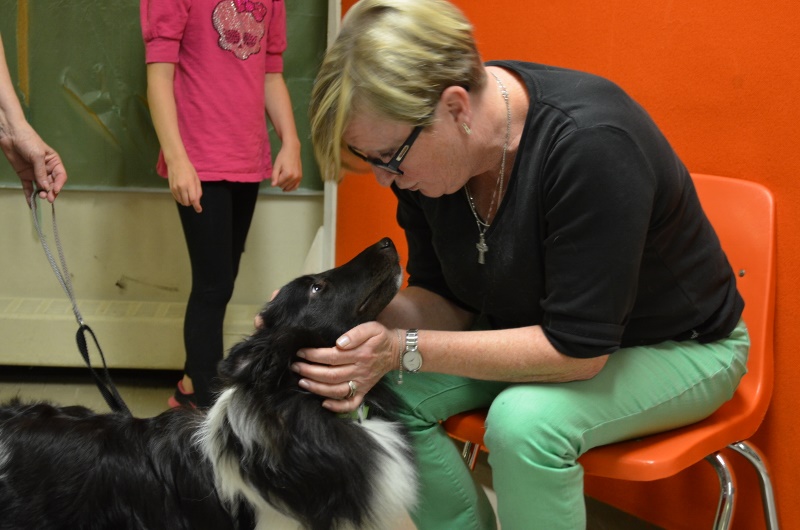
239,362
251,356
265,353
283,310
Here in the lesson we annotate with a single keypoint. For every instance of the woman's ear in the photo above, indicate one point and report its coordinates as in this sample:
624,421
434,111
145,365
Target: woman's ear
456,103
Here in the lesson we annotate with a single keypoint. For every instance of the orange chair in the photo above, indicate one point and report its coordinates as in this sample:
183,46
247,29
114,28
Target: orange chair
743,214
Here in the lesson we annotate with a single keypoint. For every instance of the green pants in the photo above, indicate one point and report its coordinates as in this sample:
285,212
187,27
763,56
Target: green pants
536,432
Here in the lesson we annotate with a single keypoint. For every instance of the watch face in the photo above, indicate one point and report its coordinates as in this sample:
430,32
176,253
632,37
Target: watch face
412,361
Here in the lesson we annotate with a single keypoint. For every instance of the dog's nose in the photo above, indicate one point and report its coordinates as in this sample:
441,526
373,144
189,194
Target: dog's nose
385,243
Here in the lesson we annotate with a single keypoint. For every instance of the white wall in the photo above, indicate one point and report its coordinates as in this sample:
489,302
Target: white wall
130,272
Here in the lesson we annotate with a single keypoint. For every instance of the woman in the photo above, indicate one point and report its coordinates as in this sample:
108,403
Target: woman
561,270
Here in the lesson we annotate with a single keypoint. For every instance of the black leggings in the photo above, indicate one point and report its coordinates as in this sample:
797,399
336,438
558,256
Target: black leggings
215,239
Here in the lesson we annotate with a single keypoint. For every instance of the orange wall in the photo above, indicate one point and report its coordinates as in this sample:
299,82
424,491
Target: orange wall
722,80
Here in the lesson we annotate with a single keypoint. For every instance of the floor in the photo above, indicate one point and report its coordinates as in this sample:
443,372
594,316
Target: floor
146,393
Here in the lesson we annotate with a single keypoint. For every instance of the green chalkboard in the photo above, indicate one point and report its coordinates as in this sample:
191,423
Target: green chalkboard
85,87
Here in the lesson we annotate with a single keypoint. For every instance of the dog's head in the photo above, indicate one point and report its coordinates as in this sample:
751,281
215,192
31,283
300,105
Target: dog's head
321,307
314,310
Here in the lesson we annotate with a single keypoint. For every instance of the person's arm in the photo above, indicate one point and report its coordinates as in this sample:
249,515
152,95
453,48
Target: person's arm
33,160
369,351
287,170
515,355
183,180
414,305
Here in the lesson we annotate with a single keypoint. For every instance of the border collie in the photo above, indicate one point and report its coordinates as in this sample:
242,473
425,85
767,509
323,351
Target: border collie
265,455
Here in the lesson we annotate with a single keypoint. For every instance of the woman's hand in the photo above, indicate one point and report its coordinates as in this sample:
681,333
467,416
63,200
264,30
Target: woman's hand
362,355
38,165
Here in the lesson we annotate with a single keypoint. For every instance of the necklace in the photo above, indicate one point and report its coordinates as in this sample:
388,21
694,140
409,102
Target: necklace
481,245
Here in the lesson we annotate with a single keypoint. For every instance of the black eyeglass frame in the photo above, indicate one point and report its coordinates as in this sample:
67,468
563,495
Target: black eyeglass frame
393,166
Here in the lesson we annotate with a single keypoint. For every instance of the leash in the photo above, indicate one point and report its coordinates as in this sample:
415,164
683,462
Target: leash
104,383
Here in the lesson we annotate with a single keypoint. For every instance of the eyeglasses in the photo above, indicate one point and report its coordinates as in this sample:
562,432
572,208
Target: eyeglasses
393,166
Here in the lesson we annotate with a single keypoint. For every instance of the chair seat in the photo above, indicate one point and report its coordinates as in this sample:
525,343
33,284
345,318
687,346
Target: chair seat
664,454
652,457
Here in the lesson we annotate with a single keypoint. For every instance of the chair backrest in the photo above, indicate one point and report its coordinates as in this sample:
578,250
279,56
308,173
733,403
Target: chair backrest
743,215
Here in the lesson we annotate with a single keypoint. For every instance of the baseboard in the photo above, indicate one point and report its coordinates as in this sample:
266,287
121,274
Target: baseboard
132,334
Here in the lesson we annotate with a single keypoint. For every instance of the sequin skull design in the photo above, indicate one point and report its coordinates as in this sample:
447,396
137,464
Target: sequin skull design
240,24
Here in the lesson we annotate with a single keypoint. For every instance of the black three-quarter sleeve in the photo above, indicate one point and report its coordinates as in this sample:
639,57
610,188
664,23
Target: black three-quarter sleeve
597,200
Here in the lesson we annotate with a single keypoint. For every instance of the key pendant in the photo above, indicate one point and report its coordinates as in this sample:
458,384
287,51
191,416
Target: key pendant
483,248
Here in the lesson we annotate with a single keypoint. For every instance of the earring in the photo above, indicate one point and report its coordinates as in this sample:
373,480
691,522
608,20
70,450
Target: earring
466,128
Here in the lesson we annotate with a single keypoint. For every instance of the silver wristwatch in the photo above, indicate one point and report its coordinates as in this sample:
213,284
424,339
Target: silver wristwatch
411,358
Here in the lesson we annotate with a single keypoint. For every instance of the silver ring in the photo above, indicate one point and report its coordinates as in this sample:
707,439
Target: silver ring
353,389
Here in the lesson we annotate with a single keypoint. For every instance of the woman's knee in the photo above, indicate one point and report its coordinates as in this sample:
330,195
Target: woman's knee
432,397
535,429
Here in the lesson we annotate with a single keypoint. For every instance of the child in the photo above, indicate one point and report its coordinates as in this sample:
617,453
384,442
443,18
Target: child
212,68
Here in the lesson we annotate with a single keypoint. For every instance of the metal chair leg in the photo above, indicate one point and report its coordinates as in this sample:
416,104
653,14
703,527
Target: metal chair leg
727,491
470,454
754,456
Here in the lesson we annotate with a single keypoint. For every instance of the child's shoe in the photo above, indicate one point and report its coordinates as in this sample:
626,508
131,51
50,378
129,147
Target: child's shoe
182,398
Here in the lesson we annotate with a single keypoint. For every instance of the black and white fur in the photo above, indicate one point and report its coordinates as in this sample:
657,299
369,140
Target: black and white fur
266,455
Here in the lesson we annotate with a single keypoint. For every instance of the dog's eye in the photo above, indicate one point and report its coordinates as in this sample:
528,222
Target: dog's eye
317,288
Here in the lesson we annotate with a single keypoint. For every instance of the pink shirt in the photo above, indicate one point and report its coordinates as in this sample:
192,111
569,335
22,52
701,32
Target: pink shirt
221,50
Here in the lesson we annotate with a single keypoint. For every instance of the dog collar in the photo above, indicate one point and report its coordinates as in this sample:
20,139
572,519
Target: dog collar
359,415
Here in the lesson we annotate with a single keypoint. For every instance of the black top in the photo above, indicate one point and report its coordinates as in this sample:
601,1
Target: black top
600,237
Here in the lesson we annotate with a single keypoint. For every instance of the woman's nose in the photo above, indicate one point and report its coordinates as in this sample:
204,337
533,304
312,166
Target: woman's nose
383,177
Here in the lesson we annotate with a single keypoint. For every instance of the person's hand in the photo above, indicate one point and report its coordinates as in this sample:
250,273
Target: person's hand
38,165
185,184
362,355
287,171
258,322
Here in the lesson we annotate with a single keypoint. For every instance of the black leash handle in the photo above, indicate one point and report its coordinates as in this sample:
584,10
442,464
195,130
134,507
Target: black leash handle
104,384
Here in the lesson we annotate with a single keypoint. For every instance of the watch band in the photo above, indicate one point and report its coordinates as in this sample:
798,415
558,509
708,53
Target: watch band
400,357
412,357
412,336
410,347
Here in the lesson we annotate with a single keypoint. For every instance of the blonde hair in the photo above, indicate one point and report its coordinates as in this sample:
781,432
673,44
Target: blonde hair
394,57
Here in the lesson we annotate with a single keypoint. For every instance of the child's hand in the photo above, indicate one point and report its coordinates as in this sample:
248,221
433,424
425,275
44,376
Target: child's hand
185,184
287,170
258,322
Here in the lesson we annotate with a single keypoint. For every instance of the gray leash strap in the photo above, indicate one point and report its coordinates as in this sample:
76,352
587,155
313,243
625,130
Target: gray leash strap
104,384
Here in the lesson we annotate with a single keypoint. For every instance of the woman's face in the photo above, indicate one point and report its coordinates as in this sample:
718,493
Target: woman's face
431,164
